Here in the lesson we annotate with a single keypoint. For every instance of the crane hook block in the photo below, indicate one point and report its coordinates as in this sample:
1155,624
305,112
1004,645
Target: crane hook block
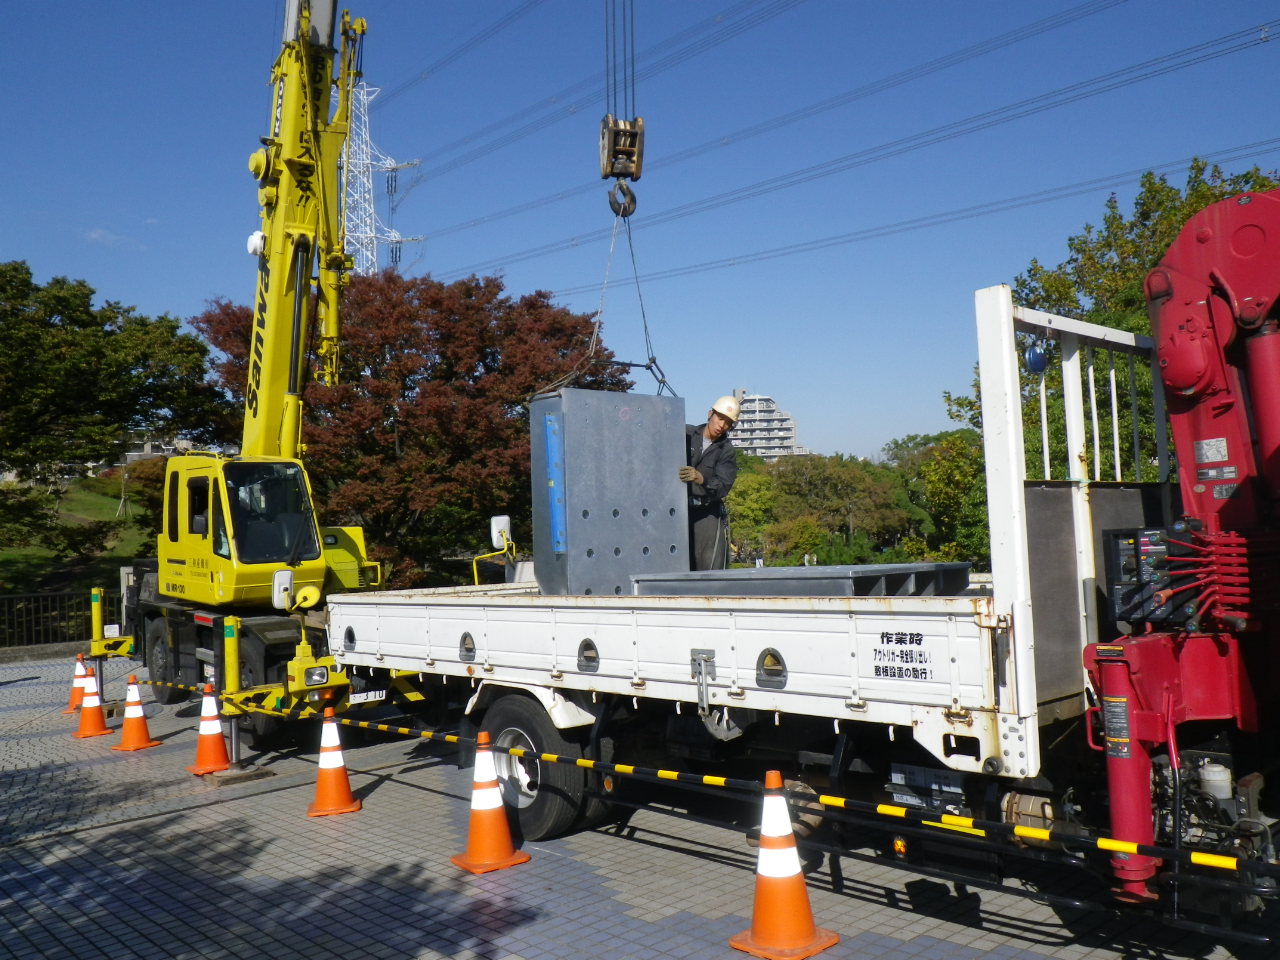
622,201
621,147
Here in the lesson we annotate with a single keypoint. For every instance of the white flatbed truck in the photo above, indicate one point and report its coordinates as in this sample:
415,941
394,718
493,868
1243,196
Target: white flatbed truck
943,701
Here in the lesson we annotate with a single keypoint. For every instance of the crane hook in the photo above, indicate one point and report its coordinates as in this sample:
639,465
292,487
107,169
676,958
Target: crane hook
622,200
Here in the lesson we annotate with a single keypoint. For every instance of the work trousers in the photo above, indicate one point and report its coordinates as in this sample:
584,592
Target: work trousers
710,539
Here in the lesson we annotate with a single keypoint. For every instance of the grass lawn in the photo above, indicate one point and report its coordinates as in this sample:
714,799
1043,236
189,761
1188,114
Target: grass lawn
34,570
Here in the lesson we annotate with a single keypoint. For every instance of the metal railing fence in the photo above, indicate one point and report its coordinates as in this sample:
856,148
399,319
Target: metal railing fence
34,618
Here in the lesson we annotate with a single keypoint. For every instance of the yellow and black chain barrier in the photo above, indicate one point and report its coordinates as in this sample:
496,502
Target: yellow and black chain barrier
172,686
984,829
649,773
1068,839
946,821
248,702
405,731
676,776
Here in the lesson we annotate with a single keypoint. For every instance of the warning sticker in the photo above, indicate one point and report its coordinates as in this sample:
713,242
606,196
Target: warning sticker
903,656
1223,491
1211,451
1115,720
1205,474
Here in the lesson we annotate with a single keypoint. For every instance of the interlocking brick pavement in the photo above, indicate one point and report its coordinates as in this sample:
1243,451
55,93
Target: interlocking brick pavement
125,855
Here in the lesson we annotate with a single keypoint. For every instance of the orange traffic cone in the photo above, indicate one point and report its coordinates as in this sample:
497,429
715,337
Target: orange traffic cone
489,844
77,686
136,736
333,789
93,723
781,921
211,749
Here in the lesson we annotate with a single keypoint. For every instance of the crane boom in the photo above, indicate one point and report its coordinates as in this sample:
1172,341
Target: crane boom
300,246
240,531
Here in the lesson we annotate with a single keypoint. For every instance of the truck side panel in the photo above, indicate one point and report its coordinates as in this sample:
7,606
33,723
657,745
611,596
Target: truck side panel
923,662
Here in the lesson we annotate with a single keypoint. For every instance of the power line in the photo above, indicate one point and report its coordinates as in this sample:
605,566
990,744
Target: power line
1243,152
1072,93
556,101
488,33
725,28
935,65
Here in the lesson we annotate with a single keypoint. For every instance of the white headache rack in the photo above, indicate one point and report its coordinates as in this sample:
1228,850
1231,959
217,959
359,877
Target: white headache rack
1076,444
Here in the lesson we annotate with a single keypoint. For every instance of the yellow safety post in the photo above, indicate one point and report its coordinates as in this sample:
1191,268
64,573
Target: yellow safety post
100,645
95,612
230,657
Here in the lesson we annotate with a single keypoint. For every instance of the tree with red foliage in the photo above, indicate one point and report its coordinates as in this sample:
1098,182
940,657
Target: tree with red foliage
426,435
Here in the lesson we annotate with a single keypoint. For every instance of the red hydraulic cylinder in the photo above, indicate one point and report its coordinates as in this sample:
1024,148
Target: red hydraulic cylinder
1128,772
1264,390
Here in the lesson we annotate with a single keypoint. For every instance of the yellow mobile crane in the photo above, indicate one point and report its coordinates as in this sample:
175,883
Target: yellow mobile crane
241,560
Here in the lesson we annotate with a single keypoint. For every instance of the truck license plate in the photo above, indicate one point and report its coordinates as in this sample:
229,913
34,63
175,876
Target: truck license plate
366,696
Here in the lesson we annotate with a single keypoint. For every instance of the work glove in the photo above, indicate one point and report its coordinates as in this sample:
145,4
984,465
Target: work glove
690,475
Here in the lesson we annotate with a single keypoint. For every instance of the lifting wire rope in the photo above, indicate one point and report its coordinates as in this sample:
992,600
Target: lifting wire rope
622,158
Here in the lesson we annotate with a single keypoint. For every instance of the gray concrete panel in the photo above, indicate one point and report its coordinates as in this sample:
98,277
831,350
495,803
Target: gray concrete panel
607,501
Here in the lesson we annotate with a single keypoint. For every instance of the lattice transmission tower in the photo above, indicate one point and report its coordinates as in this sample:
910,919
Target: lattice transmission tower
365,229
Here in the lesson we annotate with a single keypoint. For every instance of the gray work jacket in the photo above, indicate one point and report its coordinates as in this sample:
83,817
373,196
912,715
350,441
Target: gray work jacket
718,464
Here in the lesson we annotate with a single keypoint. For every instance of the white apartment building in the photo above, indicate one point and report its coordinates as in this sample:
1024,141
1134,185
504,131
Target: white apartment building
763,430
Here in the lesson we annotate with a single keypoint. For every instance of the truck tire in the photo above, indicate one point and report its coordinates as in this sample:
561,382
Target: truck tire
160,664
546,797
262,730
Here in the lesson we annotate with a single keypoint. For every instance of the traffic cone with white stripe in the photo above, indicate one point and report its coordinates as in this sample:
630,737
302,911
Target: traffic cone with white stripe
211,749
333,788
781,922
135,735
489,845
77,686
93,722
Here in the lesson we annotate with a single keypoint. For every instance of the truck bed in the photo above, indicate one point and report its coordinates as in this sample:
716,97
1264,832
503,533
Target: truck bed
922,661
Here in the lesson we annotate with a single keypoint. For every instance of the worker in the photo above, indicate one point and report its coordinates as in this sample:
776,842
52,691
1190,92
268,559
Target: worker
712,468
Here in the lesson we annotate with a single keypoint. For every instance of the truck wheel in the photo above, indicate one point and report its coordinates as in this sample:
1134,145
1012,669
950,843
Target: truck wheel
264,731
546,797
160,663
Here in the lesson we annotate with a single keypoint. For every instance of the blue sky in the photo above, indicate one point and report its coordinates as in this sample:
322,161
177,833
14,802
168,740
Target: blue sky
130,126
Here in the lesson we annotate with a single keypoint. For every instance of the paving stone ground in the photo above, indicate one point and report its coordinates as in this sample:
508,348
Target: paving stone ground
117,855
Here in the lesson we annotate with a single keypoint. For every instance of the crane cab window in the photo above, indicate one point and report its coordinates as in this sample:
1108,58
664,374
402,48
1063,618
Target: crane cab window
271,516
171,507
221,545
198,506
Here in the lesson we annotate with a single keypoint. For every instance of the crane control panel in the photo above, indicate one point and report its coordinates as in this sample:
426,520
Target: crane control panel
1145,582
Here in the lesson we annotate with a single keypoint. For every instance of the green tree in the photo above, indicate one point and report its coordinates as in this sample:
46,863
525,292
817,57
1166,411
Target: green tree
791,538
838,508
951,489
77,381
849,496
752,509
1101,281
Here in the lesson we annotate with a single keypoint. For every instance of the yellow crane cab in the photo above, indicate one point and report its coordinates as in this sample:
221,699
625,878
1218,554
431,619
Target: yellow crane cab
232,524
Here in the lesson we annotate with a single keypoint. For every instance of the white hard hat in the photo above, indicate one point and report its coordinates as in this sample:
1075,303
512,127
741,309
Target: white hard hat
727,407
